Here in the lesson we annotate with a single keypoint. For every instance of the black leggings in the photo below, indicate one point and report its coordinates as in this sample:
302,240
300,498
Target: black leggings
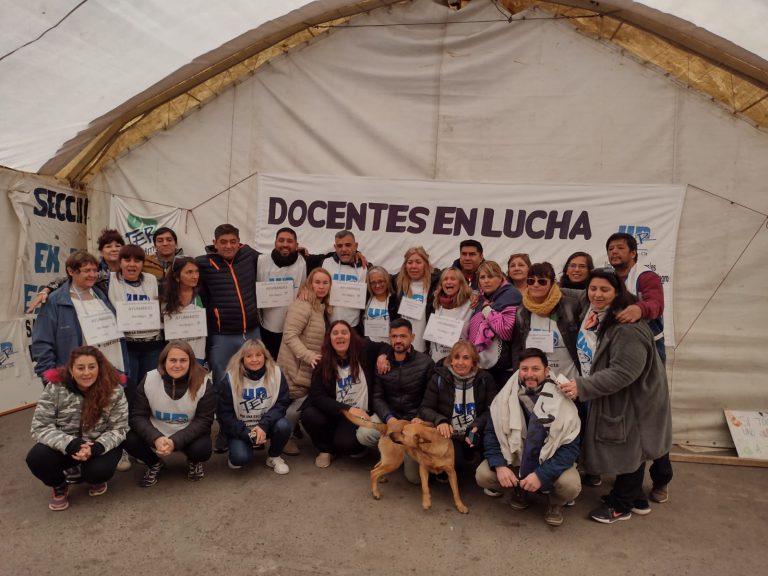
199,450
48,465
335,435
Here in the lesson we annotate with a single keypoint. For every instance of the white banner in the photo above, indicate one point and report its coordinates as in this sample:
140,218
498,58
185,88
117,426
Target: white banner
549,222
51,226
138,226
20,385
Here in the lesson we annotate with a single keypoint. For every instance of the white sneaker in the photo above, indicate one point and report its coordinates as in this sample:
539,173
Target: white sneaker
492,493
125,463
278,465
232,466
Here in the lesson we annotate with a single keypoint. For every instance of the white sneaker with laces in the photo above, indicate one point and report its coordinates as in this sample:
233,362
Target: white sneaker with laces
278,465
125,463
492,493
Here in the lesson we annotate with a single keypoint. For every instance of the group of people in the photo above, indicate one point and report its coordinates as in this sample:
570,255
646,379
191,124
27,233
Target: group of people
540,384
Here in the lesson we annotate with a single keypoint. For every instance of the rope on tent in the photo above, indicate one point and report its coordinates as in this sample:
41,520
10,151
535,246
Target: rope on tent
763,224
43,33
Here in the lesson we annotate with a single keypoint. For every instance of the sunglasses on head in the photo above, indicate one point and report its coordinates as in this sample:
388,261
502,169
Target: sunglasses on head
539,281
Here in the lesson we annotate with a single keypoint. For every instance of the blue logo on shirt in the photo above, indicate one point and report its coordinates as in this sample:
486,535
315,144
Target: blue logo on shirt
339,277
344,387
172,417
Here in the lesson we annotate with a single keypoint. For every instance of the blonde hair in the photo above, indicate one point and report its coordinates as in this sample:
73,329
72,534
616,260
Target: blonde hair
236,369
382,272
492,269
310,295
464,293
465,345
403,281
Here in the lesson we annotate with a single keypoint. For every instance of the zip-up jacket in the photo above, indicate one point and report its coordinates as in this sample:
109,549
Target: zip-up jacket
441,395
399,392
57,330
228,290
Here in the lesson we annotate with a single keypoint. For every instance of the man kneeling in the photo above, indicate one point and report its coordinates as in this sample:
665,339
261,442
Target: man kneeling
532,440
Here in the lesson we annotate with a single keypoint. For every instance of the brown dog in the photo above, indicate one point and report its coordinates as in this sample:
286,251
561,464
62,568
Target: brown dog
421,442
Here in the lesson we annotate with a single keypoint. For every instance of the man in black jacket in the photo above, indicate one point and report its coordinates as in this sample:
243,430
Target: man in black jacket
228,290
398,388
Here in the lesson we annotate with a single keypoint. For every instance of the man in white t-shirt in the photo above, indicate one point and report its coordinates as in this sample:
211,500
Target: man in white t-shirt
344,266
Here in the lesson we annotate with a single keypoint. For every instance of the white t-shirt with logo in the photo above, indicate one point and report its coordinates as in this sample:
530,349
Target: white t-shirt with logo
351,392
267,271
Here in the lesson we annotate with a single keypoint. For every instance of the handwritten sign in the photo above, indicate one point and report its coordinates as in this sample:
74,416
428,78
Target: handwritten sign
188,323
348,294
99,328
443,330
138,316
274,294
749,431
411,308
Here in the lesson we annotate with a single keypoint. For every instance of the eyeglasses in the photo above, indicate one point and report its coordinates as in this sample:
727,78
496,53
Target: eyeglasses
378,282
577,266
539,281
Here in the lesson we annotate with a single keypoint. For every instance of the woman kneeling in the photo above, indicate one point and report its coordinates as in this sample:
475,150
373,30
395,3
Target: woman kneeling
252,402
172,412
340,384
80,419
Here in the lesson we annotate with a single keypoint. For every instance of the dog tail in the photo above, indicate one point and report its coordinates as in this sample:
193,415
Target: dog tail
357,421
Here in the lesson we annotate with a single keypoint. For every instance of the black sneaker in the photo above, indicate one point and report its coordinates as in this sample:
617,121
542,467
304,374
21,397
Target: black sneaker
608,515
59,498
518,500
641,507
221,444
442,478
592,480
73,475
151,474
195,471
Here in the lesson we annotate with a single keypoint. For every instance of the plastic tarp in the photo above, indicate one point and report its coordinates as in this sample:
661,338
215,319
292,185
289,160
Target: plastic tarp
520,102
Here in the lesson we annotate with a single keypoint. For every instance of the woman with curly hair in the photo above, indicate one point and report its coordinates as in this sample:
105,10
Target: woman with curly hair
80,419
180,294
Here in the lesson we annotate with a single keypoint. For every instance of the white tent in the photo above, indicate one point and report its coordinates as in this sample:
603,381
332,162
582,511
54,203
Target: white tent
182,105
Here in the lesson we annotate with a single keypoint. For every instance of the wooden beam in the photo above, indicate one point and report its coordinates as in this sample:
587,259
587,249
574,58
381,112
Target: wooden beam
717,459
18,409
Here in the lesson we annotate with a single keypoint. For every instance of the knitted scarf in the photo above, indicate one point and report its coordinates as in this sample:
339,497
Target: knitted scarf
545,308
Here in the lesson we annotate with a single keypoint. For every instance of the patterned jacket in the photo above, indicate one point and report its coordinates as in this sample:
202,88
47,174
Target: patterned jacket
56,421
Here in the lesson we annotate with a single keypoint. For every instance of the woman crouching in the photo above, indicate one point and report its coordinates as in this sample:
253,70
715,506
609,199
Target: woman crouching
457,401
80,419
172,412
340,383
253,398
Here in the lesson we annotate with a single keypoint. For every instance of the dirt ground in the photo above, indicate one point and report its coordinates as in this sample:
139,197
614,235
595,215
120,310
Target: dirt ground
313,522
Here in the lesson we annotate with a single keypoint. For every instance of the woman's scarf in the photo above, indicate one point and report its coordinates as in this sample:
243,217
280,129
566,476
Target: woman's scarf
545,308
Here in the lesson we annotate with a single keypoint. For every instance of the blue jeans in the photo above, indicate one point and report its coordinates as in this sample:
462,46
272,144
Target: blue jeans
142,358
222,347
241,452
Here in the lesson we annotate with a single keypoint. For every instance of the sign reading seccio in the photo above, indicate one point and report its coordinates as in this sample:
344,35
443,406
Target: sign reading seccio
52,225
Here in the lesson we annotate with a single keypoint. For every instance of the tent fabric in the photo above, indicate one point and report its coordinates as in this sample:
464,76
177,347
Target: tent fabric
518,102
85,80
